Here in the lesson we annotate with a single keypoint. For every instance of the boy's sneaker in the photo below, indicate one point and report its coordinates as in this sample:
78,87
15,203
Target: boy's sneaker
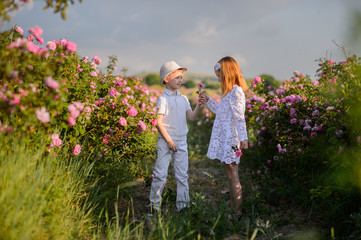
151,211
184,210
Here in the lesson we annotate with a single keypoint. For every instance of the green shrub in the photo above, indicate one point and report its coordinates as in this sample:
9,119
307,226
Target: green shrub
42,197
304,134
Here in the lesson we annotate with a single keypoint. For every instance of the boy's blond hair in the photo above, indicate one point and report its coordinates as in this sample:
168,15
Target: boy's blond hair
173,73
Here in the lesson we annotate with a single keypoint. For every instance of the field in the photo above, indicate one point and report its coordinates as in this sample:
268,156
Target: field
78,148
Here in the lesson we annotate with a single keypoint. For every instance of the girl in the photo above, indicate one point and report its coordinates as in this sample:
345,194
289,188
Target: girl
229,128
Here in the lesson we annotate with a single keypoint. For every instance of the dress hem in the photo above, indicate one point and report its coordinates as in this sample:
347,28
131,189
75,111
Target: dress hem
224,161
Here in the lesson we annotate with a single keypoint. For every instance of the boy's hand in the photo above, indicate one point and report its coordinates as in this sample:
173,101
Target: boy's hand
201,100
172,146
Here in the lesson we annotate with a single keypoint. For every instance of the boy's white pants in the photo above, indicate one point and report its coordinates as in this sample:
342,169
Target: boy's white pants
180,165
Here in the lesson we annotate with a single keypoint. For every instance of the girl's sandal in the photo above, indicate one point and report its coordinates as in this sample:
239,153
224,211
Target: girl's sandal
234,216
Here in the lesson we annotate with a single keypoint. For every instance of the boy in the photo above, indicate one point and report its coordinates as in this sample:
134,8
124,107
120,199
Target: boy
172,108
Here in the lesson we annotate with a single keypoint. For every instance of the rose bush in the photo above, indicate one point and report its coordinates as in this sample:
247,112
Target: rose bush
49,95
299,133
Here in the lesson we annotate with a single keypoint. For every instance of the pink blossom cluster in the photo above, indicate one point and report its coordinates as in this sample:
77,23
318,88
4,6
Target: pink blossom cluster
96,60
43,115
56,140
51,83
5,128
280,149
74,109
77,149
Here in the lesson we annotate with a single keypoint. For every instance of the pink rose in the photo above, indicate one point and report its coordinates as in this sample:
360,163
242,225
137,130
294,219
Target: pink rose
40,40
313,134
154,122
238,153
71,46
122,121
71,121
93,74
142,126
79,106
133,112
63,42
19,30
105,140
36,31
257,79
97,60
51,83
31,47
43,115
74,112
51,45
84,59
56,140
77,150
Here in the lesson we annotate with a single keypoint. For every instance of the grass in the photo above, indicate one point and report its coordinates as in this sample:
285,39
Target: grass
41,197
46,197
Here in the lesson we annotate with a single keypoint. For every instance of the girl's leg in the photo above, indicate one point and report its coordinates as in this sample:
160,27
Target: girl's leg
235,187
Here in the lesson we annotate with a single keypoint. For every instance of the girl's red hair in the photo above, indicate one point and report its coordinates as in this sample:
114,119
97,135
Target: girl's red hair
230,75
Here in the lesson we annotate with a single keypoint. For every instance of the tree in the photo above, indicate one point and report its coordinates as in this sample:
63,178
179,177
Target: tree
152,79
8,6
189,84
270,81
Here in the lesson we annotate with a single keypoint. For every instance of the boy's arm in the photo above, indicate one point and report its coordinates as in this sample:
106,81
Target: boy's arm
164,133
192,115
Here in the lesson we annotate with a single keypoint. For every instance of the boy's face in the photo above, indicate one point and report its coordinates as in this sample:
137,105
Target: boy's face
174,80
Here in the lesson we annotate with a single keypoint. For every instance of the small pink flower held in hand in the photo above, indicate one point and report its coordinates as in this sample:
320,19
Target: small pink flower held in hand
200,88
238,153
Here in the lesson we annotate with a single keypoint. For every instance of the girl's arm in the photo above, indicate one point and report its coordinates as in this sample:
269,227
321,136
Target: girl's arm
210,103
237,103
164,133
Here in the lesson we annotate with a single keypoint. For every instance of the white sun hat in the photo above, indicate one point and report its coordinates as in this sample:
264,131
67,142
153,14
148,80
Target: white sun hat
169,67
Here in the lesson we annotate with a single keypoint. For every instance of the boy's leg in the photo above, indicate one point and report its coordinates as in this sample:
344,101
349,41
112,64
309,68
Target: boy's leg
180,164
160,172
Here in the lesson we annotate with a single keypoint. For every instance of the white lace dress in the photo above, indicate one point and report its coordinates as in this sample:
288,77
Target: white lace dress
229,126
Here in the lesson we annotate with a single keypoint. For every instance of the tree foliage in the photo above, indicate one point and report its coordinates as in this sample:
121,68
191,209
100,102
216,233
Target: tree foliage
269,80
8,6
152,79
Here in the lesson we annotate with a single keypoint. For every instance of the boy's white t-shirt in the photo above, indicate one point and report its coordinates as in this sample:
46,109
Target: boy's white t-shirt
174,106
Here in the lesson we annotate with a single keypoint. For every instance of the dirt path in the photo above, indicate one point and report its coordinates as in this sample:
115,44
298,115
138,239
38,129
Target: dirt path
207,177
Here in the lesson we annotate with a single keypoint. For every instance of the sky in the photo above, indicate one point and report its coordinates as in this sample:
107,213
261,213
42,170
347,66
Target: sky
274,37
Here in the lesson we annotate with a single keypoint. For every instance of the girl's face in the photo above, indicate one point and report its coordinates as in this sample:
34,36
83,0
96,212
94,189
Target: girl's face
218,74
217,71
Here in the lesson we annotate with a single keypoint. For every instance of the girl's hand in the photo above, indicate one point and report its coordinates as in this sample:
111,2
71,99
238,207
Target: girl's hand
203,95
243,145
